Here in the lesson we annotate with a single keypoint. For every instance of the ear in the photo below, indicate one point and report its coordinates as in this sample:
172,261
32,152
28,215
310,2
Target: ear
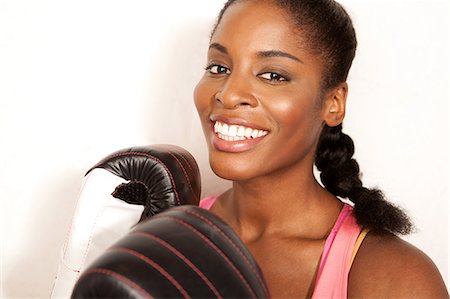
334,105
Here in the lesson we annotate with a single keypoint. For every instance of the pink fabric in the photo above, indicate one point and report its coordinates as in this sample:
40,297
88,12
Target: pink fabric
332,276
346,209
207,202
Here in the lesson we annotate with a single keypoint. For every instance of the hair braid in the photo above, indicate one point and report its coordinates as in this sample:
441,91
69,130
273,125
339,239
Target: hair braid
340,175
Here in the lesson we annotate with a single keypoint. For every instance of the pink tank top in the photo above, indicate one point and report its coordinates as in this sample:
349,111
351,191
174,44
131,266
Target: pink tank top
335,263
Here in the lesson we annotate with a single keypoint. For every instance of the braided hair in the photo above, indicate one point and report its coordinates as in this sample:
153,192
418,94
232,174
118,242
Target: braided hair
340,175
327,31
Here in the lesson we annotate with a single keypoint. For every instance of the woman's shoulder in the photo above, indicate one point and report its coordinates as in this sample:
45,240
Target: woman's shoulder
389,267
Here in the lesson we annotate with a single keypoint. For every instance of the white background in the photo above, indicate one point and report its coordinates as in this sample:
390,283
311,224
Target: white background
81,79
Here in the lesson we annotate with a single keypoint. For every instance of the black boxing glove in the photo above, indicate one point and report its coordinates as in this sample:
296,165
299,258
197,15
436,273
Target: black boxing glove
160,177
124,188
185,252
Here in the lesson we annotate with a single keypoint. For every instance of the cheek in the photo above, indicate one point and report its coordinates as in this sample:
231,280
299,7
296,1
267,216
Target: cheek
296,113
199,97
203,100
204,96
299,123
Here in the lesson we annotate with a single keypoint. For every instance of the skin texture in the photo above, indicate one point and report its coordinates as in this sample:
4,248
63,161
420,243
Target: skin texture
275,205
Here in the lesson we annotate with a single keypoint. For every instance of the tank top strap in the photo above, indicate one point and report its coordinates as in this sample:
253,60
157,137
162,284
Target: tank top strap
207,202
332,277
358,243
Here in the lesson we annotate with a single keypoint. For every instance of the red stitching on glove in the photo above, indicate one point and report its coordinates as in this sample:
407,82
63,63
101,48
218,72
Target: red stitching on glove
182,257
164,147
181,151
154,265
184,171
121,278
215,248
232,243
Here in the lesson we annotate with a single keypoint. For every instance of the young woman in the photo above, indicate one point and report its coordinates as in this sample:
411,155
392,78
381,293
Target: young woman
271,102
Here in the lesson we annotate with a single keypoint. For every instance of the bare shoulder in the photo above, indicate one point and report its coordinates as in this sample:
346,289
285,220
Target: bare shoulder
389,267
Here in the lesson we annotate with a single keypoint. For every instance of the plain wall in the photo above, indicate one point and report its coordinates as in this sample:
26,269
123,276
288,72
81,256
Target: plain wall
82,79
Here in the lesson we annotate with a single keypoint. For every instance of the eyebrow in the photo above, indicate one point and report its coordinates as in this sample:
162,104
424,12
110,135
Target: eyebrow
263,54
276,53
218,47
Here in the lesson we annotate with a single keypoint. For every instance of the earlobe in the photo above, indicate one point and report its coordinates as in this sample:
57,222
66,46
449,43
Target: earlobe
335,103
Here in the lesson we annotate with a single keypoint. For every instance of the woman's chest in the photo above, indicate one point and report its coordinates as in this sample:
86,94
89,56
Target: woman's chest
289,266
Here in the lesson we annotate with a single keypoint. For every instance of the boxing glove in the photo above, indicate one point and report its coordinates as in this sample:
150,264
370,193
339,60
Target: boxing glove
121,190
185,252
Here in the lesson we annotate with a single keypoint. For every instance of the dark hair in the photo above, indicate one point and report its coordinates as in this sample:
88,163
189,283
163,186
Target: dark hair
327,31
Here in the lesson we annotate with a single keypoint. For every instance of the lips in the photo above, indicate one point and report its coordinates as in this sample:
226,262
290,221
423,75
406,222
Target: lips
234,138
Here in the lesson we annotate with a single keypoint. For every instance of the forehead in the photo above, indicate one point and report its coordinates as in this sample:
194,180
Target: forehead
259,25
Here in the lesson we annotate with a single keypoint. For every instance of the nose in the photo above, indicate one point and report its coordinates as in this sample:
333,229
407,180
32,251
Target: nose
236,92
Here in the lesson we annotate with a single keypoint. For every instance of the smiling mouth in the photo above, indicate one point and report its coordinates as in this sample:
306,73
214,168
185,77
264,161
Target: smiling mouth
236,132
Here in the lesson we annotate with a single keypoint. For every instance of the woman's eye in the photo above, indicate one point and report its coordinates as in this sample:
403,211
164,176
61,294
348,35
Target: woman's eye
270,76
218,69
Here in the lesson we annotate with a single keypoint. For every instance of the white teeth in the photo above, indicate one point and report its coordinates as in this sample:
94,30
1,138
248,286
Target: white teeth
236,132
232,131
241,131
248,133
229,138
262,133
224,129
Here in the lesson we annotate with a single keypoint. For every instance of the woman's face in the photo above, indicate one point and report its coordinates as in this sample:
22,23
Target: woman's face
259,99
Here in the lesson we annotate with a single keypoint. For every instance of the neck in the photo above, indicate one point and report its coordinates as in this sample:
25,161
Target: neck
285,205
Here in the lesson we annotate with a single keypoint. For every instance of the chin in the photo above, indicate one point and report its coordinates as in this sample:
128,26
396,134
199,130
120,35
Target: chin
231,169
